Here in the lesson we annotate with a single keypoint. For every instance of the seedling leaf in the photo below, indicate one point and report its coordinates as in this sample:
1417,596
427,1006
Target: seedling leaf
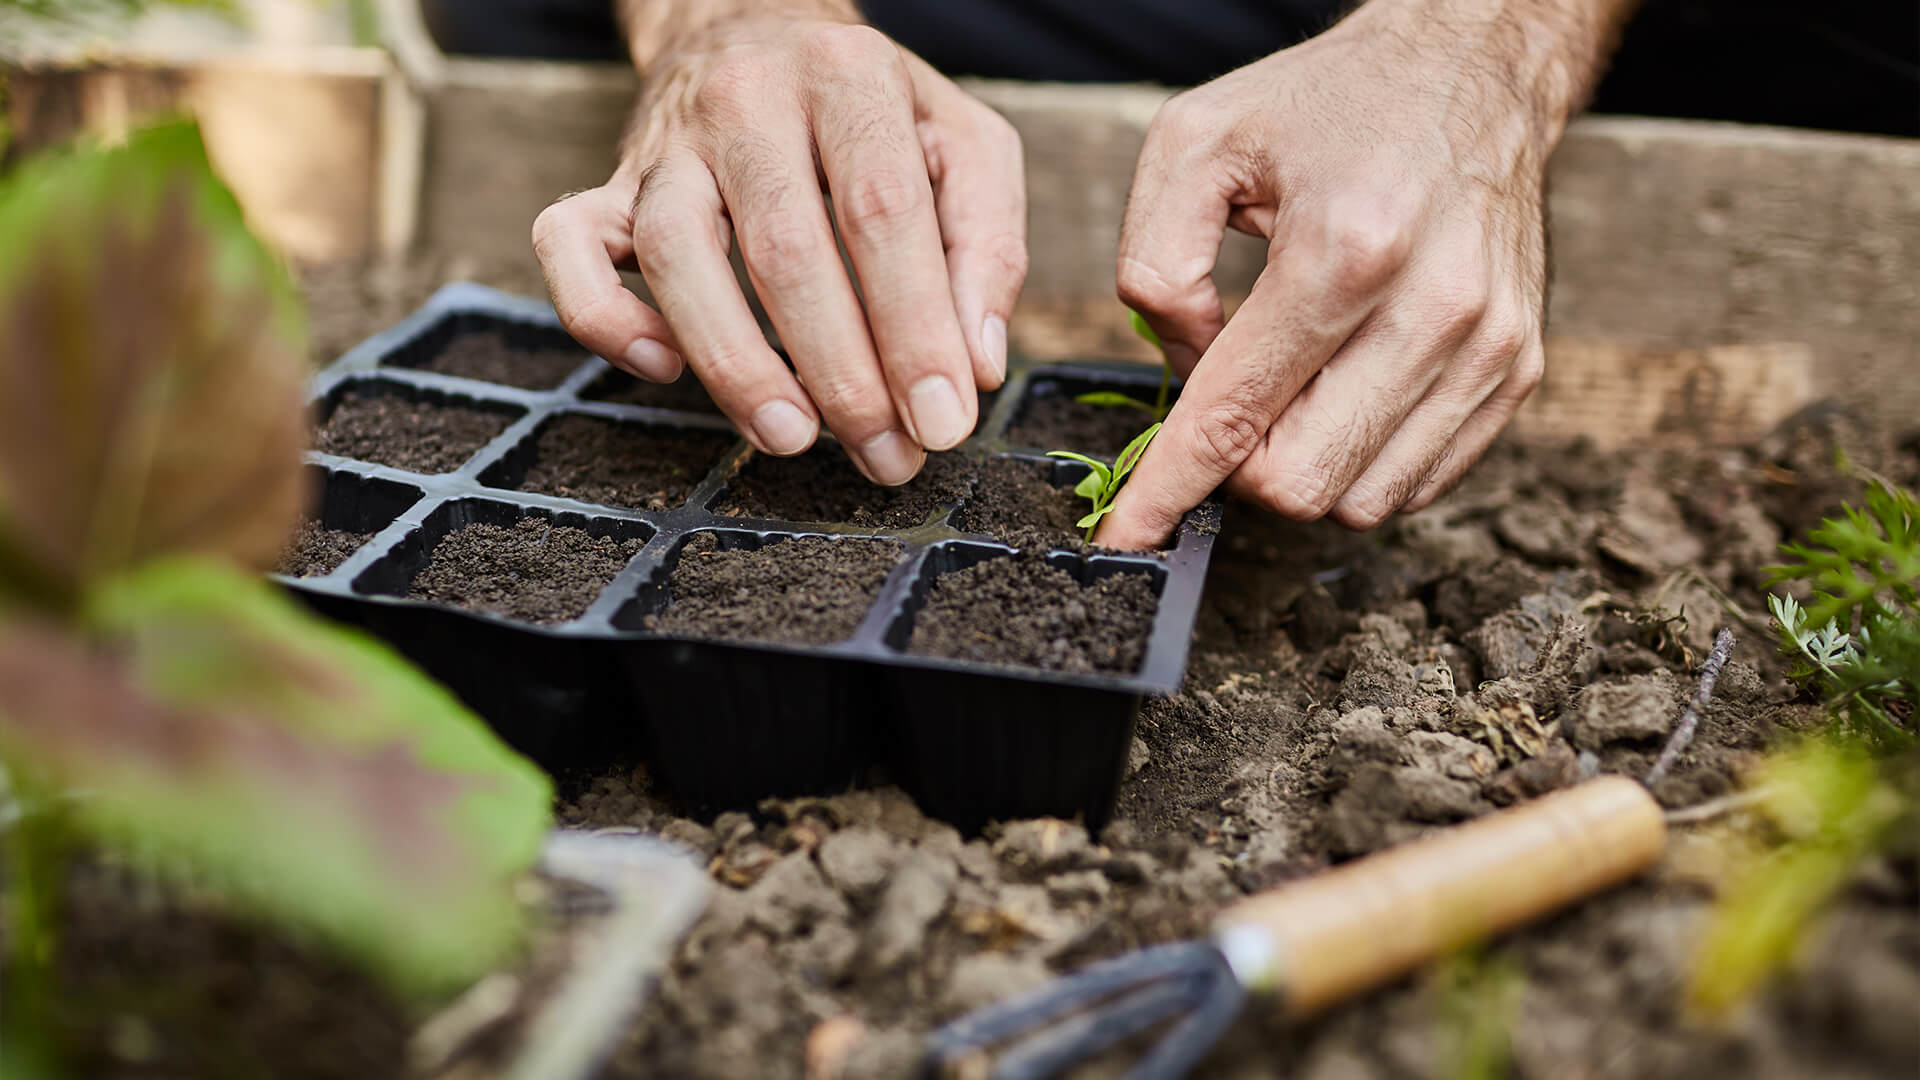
1090,486
1139,324
1130,456
304,770
1112,397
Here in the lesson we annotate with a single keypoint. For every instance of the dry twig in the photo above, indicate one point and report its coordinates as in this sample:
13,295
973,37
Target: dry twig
1682,735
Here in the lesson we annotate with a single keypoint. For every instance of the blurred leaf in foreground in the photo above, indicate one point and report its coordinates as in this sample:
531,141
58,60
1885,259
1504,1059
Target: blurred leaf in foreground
152,370
305,770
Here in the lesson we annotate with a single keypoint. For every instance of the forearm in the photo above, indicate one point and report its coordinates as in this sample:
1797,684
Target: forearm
654,28
1543,56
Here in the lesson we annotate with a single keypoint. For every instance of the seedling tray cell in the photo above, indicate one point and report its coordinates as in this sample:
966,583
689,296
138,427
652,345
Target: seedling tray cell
720,722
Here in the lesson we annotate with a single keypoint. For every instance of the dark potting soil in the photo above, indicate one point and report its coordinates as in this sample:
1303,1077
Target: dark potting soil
1019,610
314,551
806,591
534,571
684,394
1013,502
420,436
602,461
823,485
488,356
1058,422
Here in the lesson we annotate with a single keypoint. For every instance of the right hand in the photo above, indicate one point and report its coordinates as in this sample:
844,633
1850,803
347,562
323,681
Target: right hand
739,130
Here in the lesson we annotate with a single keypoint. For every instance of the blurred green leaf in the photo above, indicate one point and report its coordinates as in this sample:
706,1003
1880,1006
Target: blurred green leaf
1140,327
152,369
221,731
1828,794
1112,397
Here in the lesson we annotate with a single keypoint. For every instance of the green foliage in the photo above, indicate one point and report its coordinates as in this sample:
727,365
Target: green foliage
1830,795
157,698
1856,642
154,371
1857,639
1102,482
1116,399
1478,1005
73,11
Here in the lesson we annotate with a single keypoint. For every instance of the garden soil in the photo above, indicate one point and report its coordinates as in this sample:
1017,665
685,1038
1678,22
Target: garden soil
1019,610
823,485
1058,422
422,436
315,551
488,356
805,591
1345,692
534,571
598,461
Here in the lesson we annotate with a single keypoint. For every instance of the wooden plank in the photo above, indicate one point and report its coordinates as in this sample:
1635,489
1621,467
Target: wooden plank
296,136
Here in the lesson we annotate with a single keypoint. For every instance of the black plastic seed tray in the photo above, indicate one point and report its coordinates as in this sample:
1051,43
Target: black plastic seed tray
722,723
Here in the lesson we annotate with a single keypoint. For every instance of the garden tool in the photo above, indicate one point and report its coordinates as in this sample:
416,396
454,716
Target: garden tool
1316,942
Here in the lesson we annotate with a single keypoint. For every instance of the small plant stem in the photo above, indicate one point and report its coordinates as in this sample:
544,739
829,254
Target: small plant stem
1682,735
34,863
1166,383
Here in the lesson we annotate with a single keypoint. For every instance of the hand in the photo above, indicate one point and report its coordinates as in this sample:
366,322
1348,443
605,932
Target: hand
1395,166
740,127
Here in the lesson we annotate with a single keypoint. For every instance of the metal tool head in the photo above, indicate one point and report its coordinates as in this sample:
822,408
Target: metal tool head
1070,1020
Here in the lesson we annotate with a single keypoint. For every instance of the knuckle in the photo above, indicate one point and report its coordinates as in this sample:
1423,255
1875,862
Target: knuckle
1365,507
1529,369
732,87
1006,256
780,247
1299,495
881,199
1179,117
850,46
1369,245
1460,315
856,407
1225,434
1144,288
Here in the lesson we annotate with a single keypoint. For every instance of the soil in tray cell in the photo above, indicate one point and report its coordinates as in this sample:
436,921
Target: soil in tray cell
314,551
534,571
420,436
1058,422
805,591
601,461
1013,502
823,485
684,394
488,356
1019,610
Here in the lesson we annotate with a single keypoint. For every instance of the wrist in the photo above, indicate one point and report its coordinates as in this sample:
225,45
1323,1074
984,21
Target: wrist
1536,60
657,31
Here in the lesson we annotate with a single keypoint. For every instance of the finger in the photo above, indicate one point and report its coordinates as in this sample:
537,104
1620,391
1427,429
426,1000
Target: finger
773,195
578,241
680,243
1331,435
883,202
1480,429
1170,237
980,196
1289,327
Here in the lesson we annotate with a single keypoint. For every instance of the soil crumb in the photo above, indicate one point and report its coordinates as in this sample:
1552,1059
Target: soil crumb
806,591
314,551
823,485
684,394
1058,422
419,436
601,461
1013,502
488,356
534,571
1019,610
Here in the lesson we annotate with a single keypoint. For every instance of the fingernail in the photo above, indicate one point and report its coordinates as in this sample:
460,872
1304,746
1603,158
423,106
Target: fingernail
653,360
993,341
937,413
891,458
782,428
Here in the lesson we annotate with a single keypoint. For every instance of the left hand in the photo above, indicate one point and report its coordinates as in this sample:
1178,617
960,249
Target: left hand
1395,165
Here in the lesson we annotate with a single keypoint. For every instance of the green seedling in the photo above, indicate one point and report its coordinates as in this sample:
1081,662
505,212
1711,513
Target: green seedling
1103,481
1116,399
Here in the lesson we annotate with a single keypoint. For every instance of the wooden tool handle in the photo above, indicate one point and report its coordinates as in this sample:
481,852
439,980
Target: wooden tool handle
1329,937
